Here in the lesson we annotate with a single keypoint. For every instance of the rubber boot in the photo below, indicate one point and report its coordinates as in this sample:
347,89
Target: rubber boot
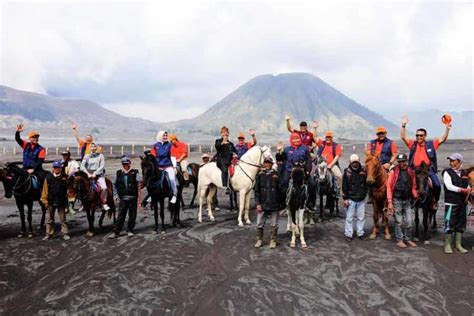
448,239
273,238
457,243
258,244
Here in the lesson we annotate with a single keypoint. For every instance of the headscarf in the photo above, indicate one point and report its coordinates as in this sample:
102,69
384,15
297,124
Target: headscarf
159,136
293,135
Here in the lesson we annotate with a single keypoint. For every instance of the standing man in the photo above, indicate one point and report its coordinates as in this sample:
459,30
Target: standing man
33,154
331,151
179,150
269,201
54,197
354,190
456,190
242,147
401,190
128,185
307,137
425,150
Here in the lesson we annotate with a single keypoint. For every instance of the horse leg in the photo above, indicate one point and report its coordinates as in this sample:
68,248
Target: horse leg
202,195
231,201
21,209
210,197
291,216
321,206
417,222
101,219
191,204
301,227
288,225
154,205
30,219
90,212
426,214
386,233
241,209
43,215
247,207
162,215
375,229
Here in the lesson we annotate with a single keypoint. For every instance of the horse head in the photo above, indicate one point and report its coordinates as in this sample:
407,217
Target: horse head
422,179
322,169
80,184
149,169
373,166
7,179
298,174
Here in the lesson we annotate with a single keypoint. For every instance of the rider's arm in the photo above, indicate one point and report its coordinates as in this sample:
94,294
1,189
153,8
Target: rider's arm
218,144
83,164
394,152
288,126
19,140
338,155
403,135
444,138
101,168
76,135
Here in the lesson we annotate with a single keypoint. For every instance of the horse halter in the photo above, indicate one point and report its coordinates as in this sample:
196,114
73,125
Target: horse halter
259,159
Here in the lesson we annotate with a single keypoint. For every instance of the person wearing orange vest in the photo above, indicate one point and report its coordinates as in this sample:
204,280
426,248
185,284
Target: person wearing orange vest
422,150
331,151
384,147
179,150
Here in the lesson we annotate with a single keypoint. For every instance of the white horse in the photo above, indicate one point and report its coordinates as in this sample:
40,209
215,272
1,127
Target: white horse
242,181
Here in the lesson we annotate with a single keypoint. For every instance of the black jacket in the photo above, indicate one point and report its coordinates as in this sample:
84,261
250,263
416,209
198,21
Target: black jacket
354,185
57,189
267,191
224,152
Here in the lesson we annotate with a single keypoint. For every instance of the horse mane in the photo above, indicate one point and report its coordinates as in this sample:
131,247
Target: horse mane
81,174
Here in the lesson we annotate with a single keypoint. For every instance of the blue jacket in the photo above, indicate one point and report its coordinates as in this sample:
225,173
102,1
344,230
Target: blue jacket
386,154
31,158
293,155
163,154
241,149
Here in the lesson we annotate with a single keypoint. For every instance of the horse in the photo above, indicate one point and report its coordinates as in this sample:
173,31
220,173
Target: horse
377,178
83,189
242,181
325,187
295,200
19,183
154,179
425,201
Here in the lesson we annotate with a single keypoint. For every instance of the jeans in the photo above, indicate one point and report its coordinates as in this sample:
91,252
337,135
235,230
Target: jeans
172,178
403,219
355,209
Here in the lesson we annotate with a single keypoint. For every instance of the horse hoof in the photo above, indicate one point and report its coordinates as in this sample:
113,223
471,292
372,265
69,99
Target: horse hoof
163,232
304,245
426,242
292,244
388,237
248,222
199,220
30,235
241,224
90,234
212,219
21,235
373,236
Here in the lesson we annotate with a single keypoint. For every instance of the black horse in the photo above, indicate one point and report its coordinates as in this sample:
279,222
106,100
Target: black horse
425,202
154,179
19,183
296,196
325,187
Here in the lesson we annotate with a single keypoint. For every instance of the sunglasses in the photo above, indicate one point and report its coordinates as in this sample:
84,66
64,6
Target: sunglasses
420,135
381,133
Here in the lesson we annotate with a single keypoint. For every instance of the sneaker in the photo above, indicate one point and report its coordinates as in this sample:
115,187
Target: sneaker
173,199
363,237
47,237
66,237
106,207
258,244
112,236
130,234
348,239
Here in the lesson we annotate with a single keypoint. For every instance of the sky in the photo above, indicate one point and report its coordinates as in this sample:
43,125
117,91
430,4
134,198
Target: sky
170,60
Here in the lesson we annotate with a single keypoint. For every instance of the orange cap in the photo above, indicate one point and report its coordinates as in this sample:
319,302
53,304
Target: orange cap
173,137
328,134
241,135
32,134
446,119
381,129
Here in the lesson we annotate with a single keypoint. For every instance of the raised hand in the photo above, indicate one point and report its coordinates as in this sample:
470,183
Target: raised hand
280,146
315,124
20,127
73,126
252,132
287,117
404,120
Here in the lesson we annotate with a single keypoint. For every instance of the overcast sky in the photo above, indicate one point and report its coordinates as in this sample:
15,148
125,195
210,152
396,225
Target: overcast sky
171,60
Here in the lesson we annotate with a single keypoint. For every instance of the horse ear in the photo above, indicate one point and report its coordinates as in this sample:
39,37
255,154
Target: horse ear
141,157
424,166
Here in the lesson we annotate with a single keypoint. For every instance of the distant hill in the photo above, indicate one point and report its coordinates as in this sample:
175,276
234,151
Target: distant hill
463,122
262,103
52,116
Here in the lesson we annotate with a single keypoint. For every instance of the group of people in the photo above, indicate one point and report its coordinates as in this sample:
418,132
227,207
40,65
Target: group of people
271,185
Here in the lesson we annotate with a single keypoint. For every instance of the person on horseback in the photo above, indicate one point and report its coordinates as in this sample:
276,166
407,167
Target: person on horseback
242,147
54,197
162,153
422,150
179,150
93,165
307,138
225,152
269,201
401,190
331,151
69,168
84,144
296,153
128,185
33,155
354,191
456,189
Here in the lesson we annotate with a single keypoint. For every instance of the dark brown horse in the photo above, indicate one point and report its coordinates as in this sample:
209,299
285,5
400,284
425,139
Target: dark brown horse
377,178
82,187
425,201
19,183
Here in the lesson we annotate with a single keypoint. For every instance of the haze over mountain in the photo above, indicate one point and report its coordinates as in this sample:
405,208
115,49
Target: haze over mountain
262,103
53,116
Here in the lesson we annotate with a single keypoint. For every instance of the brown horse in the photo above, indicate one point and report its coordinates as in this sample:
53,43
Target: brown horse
80,186
377,178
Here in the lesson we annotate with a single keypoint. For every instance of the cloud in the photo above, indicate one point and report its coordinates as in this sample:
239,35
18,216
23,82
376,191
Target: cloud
180,59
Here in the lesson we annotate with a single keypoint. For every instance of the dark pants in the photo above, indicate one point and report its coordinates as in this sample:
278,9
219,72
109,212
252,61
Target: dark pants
311,191
125,206
436,184
225,172
455,217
